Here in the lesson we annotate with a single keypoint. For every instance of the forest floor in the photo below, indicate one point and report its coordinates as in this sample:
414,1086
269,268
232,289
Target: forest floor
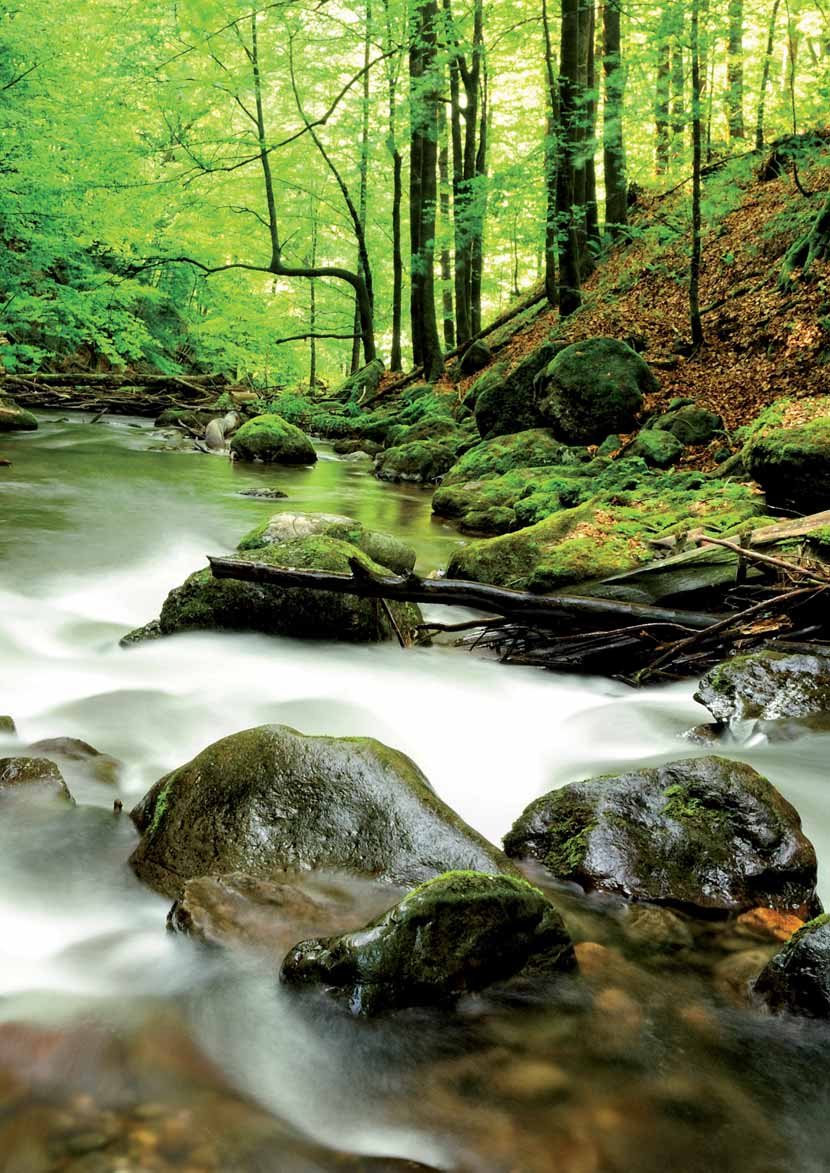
762,342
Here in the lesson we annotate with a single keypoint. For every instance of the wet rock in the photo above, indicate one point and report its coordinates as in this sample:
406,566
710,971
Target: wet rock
32,777
797,979
592,388
383,548
263,494
14,418
140,635
271,799
270,916
460,932
420,462
703,833
688,424
792,465
68,750
767,685
734,976
7,725
475,358
655,929
351,447
658,449
768,924
187,417
273,440
205,603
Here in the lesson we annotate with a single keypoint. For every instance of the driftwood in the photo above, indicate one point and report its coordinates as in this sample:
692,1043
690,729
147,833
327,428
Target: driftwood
109,391
111,380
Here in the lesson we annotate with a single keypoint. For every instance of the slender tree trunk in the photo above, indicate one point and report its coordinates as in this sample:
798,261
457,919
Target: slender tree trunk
446,262
590,146
765,72
694,266
735,71
613,153
364,171
678,90
392,74
552,146
569,296
661,99
477,244
425,95
463,324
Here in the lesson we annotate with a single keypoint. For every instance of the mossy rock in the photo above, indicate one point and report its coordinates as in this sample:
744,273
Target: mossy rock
691,425
532,448
361,384
592,388
205,603
509,405
32,778
439,427
382,548
797,979
792,465
767,686
188,417
419,462
475,358
658,449
493,376
608,533
349,447
456,934
703,833
7,725
272,439
270,799
14,418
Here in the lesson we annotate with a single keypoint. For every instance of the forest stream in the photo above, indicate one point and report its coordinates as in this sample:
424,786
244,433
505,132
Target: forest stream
126,1047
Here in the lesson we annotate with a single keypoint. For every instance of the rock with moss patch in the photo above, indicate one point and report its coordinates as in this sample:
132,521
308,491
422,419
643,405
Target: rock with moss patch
273,440
767,686
532,448
689,424
475,358
592,388
383,548
792,465
509,404
350,447
14,418
494,375
363,383
704,833
7,725
458,933
797,979
658,449
431,428
421,462
26,777
271,798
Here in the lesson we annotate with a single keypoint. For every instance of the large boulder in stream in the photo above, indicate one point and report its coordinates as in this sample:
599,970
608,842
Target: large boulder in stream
272,439
14,418
703,833
32,778
205,603
593,388
767,686
420,462
792,465
271,799
797,979
458,933
383,548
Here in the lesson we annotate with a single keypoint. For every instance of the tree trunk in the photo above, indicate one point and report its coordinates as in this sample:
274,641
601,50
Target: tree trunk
312,309
364,171
678,90
477,244
694,265
613,153
662,142
446,262
590,143
765,72
552,149
425,94
568,296
392,68
735,71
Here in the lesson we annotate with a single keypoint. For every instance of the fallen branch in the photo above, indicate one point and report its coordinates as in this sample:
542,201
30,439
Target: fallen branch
768,560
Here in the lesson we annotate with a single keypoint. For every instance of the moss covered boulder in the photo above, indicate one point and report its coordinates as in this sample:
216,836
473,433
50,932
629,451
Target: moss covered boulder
420,462
792,465
272,439
458,933
495,374
271,798
658,449
797,979
704,833
532,448
14,418
609,532
767,686
205,603
689,424
383,548
28,777
592,388
509,404
362,384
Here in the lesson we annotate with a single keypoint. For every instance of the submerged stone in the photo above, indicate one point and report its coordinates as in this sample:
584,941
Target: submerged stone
767,686
797,979
704,833
273,440
14,418
32,777
458,933
271,798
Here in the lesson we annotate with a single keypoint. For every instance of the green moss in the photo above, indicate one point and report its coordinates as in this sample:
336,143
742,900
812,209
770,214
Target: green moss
159,808
534,448
272,439
421,462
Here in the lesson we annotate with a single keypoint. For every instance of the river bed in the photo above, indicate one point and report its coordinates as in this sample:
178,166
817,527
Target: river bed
95,528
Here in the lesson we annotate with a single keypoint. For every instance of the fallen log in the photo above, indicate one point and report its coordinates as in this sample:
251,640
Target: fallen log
538,610
110,380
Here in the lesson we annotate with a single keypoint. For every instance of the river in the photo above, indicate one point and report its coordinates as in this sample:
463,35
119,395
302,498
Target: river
95,527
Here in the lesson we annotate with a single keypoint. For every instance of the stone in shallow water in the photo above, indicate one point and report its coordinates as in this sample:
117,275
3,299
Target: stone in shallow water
78,756
703,833
461,932
797,978
32,777
270,799
7,725
767,686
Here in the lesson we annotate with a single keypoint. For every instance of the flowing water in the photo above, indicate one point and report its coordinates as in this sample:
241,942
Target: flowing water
107,1022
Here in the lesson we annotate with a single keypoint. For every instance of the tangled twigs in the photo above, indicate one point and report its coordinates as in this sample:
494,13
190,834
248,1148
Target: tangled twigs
767,560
